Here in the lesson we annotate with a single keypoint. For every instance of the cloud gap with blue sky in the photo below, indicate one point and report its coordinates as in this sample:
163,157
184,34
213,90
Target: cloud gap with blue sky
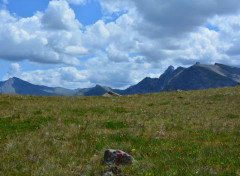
81,43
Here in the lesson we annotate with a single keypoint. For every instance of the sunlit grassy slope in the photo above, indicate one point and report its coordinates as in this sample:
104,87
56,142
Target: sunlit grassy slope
176,133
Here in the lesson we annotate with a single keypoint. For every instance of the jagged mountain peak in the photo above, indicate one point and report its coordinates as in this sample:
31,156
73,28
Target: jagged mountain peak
14,79
198,76
169,69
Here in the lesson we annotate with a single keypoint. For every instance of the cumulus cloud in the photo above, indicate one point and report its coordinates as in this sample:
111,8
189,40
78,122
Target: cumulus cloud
116,6
77,1
160,18
229,35
143,41
98,71
54,77
54,37
174,31
115,55
96,36
59,16
39,40
174,17
76,50
14,70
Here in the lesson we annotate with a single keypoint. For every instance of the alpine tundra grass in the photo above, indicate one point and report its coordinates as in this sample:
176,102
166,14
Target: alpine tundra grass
175,133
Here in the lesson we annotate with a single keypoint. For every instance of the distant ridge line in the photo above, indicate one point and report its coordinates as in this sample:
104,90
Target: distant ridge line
195,77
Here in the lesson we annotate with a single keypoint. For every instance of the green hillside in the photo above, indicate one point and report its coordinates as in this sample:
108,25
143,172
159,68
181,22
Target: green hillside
175,133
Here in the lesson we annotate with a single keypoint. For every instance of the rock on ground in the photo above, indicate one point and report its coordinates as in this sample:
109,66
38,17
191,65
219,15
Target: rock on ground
117,157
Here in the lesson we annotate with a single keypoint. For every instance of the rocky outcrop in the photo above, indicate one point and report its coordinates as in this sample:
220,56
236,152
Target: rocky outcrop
117,157
111,94
198,76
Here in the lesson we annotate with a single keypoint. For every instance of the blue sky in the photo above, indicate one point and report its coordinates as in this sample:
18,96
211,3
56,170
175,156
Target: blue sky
26,8
87,13
81,43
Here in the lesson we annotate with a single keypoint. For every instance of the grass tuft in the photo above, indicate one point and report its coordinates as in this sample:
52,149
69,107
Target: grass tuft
232,116
10,126
37,112
165,103
169,133
115,124
72,121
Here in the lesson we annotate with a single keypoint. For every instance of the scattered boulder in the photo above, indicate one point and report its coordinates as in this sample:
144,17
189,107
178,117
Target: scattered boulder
107,173
117,157
112,171
111,94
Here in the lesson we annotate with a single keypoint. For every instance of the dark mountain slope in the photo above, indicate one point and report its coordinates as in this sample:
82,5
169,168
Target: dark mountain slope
95,91
150,85
147,85
198,77
17,86
230,72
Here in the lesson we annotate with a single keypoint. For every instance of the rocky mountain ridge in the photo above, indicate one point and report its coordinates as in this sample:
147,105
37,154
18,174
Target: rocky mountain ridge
198,76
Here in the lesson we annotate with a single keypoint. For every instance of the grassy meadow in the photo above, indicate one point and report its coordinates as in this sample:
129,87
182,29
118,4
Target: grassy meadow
174,133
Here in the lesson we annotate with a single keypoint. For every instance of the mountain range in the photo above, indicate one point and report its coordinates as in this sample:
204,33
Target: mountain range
198,76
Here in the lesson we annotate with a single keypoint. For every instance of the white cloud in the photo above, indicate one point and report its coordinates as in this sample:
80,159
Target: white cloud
59,16
98,70
96,36
14,70
29,41
174,32
143,41
160,18
76,50
229,34
110,6
78,2
55,77
115,55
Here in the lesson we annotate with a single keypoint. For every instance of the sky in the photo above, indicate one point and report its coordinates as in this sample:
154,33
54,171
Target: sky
115,43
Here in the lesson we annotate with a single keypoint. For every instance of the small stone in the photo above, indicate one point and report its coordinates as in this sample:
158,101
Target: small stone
108,173
112,171
117,157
